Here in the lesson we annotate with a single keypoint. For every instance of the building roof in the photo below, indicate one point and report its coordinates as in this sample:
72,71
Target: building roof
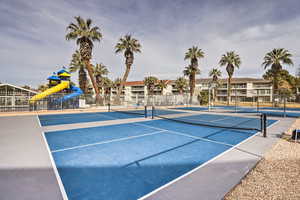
134,83
7,84
234,80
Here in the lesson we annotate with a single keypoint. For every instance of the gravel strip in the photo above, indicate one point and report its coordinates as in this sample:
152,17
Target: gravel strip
276,176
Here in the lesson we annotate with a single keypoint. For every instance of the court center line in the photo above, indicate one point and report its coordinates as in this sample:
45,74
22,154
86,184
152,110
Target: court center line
108,141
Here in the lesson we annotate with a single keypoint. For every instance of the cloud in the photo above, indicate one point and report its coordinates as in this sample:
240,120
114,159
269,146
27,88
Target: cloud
33,44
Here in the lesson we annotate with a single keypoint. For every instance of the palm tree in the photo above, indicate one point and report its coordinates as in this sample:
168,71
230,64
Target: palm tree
100,70
85,35
129,46
191,73
193,54
161,85
106,84
275,59
231,60
117,83
215,74
77,64
150,83
181,84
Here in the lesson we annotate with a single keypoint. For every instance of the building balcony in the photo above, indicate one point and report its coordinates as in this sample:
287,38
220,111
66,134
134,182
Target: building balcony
137,89
262,86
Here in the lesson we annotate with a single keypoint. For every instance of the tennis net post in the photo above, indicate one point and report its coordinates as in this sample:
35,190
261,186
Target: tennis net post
264,121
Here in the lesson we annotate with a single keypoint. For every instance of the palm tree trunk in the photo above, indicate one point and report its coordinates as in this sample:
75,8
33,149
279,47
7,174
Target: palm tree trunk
275,90
192,87
82,80
214,95
123,83
98,82
91,74
228,90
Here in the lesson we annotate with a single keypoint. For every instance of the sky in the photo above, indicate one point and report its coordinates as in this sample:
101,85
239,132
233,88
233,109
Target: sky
33,44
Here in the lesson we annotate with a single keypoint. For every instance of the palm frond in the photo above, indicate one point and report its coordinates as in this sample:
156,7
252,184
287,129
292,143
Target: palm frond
128,43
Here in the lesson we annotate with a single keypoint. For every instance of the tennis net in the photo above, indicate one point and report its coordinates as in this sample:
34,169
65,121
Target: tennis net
235,122
131,110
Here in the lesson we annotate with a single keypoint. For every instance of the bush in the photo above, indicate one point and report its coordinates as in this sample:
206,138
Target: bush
203,98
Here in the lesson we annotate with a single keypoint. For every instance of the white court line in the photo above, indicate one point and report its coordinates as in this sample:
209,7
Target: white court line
187,135
200,166
60,183
108,141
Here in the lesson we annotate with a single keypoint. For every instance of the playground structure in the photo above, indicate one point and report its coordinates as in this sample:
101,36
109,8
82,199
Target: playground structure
61,93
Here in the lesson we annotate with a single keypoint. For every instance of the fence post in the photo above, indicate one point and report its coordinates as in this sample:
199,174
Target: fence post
235,99
284,107
153,110
257,104
146,114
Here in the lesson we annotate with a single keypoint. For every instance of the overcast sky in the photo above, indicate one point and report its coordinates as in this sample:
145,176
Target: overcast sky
33,45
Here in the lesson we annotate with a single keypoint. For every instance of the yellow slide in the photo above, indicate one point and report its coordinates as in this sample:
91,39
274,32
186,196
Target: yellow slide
57,88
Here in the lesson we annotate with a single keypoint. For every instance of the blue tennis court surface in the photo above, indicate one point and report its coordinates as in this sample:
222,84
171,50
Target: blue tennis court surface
127,161
270,111
58,119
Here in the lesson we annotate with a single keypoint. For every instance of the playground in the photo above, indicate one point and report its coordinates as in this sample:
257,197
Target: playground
60,94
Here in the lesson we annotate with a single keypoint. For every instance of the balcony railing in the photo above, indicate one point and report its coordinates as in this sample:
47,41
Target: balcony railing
262,86
137,89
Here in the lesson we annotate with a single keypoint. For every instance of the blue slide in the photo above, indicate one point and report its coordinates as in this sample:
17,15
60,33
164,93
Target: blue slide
75,92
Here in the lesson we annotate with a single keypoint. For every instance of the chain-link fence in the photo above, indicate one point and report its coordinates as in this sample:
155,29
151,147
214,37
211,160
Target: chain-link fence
263,98
23,103
281,102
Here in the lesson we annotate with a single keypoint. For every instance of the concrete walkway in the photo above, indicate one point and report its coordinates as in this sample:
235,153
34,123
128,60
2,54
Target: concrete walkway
26,170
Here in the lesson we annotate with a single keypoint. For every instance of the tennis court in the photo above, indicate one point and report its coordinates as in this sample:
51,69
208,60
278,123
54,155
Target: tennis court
270,111
60,119
128,161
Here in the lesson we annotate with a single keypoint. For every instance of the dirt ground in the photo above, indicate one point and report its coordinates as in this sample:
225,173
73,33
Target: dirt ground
276,176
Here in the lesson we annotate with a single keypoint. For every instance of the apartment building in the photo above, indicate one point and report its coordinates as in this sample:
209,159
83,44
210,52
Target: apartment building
242,89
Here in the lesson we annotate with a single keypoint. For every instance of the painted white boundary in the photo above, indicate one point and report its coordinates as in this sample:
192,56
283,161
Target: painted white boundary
200,166
109,141
60,184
